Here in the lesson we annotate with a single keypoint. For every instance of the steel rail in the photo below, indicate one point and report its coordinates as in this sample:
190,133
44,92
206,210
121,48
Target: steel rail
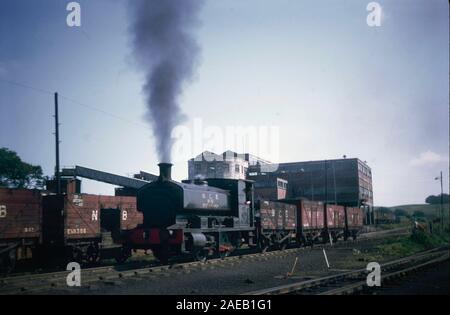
39,282
348,275
359,286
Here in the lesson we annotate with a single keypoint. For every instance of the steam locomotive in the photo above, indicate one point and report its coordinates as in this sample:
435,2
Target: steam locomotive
217,216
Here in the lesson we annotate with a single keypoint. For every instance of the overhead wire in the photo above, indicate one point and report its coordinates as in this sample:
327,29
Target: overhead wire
73,101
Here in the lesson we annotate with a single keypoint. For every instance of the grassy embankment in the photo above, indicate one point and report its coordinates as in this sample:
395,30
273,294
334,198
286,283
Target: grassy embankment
430,211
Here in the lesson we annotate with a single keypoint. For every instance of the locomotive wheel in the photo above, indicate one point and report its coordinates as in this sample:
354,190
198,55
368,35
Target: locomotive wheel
92,254
200,255
125,253
224,254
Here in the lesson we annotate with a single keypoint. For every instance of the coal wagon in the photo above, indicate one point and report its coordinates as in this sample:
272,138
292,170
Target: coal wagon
85,227
354,221
71,227
335,221
20,225
277,224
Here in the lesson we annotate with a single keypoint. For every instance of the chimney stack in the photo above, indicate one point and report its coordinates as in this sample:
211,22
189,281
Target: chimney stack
165,171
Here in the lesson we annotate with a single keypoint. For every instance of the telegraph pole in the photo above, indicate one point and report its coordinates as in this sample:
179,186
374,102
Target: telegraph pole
325,214
57,174
334,183
326,182
441,210
442,205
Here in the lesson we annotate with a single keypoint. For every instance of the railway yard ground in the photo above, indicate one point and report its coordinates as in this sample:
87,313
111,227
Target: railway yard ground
250,273
430,281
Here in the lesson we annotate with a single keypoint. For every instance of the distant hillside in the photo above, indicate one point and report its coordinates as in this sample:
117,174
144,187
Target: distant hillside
429,210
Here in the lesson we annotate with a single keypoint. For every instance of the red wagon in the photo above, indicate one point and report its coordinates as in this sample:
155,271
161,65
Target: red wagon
354,221
20,224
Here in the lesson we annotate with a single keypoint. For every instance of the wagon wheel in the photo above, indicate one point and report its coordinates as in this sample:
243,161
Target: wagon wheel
264,245
200,254
8,261
92,254
36,256
282,245
335,238
303,241
76,255
162,254
125,253
324,239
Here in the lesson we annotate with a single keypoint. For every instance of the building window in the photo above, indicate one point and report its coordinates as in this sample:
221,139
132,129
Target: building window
236,168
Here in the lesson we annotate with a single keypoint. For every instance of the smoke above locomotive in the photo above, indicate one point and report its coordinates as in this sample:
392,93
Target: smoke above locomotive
166,51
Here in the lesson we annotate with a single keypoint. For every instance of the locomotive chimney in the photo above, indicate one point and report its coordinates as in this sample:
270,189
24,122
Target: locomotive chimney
165,170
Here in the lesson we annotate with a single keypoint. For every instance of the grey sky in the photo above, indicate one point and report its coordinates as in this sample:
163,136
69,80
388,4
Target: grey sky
332,84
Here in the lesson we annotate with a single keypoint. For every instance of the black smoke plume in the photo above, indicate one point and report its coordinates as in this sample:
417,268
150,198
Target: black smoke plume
165,49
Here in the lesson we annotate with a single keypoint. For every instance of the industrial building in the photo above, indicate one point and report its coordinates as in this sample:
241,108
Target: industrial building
342,181
229,164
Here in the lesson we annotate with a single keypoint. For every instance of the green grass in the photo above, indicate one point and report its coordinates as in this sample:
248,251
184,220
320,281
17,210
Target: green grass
398,247
408,245
394,225
418,241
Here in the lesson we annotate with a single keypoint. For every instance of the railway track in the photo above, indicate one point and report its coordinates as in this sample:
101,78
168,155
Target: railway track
352,282
112,274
